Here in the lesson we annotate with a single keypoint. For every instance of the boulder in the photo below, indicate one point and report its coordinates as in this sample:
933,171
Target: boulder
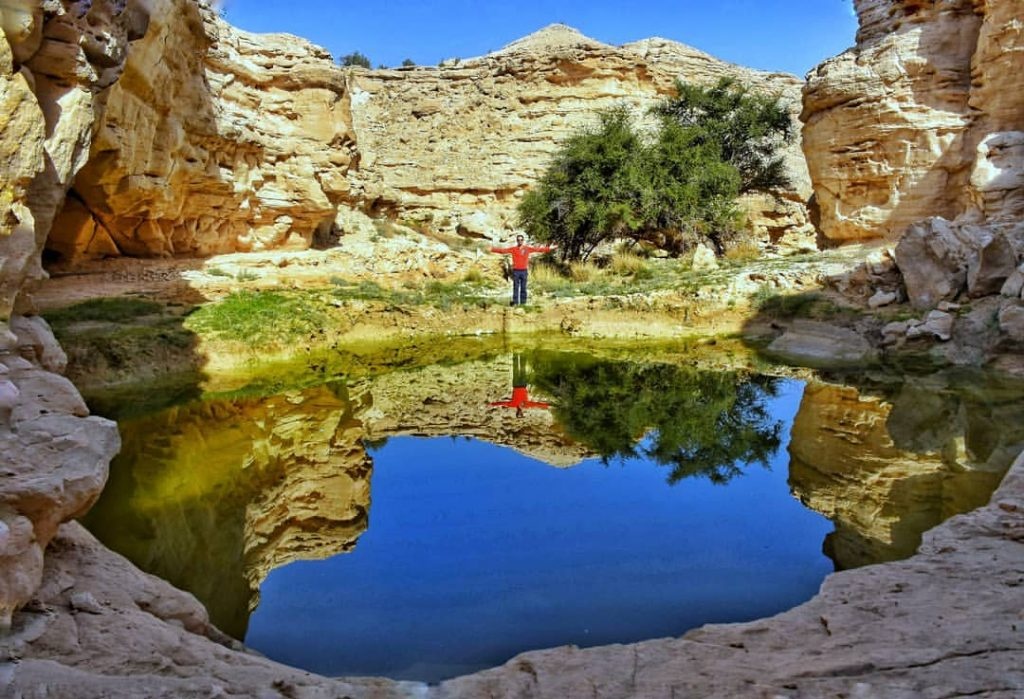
37,343
704,259
933,257
821,345
938,324
997,181
1014,284
882,298
992,262
1011,320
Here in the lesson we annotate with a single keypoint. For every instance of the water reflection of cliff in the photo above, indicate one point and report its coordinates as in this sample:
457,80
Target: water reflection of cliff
459,400
214,494
888,462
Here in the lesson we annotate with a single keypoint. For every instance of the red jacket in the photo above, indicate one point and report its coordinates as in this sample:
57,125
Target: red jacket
521,253
520,399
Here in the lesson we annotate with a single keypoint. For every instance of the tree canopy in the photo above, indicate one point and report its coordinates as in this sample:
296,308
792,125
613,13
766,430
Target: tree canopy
613,180
697,423
355,59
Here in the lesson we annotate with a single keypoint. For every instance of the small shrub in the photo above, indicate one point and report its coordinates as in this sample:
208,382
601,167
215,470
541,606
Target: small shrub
355,59
473,276
583,271
627,263
246,275
743,251
548,277
218,272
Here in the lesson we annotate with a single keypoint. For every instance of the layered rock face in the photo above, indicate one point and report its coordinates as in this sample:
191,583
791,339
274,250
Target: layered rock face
213,140
916,135
922,118
56,61
455,147
54,461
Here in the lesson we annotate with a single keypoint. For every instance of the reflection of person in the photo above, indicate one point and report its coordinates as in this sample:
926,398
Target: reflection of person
520,253
520,399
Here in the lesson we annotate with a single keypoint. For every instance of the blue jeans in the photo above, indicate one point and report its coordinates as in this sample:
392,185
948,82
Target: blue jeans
518,287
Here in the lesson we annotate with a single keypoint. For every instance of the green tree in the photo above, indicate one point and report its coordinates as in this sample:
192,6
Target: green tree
592,190
670,187
408,63
355,59
748,129
706,424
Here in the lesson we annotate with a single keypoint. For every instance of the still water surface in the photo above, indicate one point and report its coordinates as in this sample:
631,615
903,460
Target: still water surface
475,553
431,521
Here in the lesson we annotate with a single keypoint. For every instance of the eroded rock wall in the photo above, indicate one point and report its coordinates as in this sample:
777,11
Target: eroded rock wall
214,140
57,60
54,458
922,118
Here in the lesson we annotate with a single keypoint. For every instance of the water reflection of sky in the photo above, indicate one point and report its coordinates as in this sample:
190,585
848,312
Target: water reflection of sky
475,553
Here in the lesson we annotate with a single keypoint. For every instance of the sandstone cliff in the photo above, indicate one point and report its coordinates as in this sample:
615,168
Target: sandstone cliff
57,60
213,140
157,129
916,135
922,118
216,140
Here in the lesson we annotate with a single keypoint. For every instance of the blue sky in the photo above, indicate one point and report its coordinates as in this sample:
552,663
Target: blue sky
787,35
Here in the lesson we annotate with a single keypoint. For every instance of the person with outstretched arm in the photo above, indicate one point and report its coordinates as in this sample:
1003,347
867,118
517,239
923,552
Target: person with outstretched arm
520,399
520,253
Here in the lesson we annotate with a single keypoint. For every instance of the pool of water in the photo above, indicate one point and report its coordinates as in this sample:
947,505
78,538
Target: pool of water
434,520
475,553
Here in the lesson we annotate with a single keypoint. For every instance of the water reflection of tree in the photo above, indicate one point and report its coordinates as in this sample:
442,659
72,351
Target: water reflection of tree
707,424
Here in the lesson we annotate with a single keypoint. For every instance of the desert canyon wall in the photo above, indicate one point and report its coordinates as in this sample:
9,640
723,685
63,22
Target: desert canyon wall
216,140
923,117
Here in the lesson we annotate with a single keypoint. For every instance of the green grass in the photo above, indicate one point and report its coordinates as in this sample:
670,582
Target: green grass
120,309
261,317
442,295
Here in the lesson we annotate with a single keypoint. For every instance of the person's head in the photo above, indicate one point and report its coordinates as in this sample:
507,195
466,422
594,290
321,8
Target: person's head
520,239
